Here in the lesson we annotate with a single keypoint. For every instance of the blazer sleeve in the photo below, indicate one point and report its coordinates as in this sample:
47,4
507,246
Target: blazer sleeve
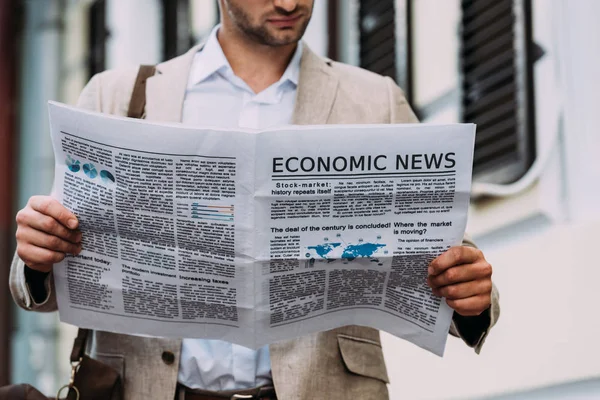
89,99
21,293
472,330
400,110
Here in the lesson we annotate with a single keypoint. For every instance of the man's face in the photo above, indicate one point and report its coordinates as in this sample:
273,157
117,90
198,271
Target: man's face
269,22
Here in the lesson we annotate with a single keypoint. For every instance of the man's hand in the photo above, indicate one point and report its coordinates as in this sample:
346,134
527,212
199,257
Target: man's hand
464,278
46,231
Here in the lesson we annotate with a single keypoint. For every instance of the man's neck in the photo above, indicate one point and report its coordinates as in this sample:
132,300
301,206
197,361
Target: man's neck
258,65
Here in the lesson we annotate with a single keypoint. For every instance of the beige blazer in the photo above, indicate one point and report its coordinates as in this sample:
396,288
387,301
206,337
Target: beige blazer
345,363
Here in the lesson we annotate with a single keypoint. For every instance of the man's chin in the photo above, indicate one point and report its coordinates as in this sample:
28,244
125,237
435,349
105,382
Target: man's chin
283,39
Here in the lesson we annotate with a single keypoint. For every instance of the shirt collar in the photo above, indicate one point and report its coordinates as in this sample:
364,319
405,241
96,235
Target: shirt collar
292,72
211,59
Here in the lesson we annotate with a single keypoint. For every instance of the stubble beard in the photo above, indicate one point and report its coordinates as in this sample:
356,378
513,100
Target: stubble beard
260,33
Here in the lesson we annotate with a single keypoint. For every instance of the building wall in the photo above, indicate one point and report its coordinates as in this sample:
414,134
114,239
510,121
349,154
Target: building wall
135,32
541,241
546,333
8,93
34,351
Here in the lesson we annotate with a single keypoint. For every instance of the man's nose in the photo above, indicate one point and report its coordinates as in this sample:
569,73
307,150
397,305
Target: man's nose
287,5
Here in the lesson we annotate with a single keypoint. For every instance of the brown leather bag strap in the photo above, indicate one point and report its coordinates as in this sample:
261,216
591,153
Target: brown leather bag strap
138,97
79,344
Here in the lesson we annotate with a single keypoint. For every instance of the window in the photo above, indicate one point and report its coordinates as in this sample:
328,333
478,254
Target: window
177,30
497,86
377,30
97,37
472,61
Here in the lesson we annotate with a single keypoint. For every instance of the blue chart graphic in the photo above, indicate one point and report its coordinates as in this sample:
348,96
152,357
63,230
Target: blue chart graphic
90,170
72,164
347,252
107,177
212,212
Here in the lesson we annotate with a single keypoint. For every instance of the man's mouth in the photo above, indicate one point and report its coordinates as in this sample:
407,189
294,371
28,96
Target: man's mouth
285,22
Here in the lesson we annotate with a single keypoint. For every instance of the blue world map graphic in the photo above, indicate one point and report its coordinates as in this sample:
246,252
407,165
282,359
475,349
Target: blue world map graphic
349,251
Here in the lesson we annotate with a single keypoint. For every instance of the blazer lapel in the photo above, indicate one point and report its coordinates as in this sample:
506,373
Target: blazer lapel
317,88
165,91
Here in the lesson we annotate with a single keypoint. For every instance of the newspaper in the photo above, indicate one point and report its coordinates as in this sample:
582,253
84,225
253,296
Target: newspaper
256,237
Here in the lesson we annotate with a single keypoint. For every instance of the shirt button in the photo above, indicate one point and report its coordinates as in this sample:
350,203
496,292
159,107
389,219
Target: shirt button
168,357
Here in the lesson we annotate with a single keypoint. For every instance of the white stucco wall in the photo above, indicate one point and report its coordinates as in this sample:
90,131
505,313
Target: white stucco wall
542,243
316,35
135,32
547,332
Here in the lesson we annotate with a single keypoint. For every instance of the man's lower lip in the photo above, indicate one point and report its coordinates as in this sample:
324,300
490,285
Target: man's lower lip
285,23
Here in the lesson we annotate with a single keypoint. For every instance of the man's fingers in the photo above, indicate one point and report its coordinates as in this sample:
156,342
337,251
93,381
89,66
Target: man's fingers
48,225
50,242
34,256
461,273
46,231
49,206
454,256
465,290
463,277
471,306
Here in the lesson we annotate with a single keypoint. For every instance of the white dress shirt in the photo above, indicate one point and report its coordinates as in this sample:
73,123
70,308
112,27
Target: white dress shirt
215,96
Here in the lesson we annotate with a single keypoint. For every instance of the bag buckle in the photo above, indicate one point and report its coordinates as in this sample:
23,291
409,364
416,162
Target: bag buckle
71,385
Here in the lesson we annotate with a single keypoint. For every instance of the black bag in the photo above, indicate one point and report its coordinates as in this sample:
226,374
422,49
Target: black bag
90,379
21,392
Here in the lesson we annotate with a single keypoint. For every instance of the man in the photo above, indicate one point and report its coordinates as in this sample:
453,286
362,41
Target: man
253,72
